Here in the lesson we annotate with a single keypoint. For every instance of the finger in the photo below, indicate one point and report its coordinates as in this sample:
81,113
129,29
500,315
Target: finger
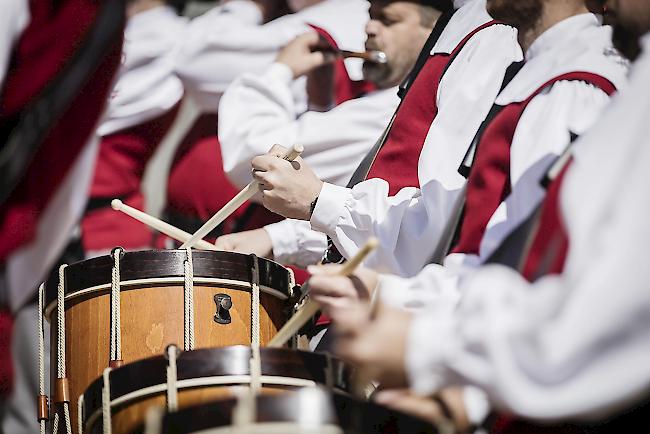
223,243
311,38
423,408
325,269
277,150
340,288
263,162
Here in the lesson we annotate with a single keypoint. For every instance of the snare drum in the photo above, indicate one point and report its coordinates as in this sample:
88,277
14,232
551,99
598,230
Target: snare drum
307,411
195,377
130,306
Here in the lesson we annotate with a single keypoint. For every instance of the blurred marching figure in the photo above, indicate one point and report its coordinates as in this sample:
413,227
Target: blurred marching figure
52,96
553,347
258,110
236,37
142,107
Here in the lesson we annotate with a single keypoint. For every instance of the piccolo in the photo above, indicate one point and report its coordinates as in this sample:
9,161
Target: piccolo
375,56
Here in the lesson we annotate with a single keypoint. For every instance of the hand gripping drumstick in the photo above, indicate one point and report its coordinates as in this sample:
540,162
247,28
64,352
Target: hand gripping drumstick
311,307
159,225
237,201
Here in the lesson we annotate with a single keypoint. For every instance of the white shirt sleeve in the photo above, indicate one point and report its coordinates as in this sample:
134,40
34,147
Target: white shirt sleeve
258,111
408,225
295,243
226,42
13,20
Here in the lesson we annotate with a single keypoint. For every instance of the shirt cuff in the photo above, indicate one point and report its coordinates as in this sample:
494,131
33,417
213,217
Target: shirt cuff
329,208
477,405
280,73
427,345
284,240
294,242
246,11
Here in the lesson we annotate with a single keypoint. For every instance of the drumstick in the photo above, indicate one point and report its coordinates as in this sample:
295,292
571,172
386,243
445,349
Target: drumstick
237,201
311,307
159,225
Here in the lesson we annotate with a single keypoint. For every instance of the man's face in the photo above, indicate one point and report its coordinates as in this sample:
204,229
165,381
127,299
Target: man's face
522,14
396,29
632,15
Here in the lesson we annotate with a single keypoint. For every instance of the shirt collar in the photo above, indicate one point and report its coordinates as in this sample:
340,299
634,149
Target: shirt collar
553,37
460,3
645,43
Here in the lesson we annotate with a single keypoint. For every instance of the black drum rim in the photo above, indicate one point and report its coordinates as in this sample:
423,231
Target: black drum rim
231,361
351,414
161,264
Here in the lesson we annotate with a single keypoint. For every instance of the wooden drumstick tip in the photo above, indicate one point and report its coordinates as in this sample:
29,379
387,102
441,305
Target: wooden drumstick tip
116,204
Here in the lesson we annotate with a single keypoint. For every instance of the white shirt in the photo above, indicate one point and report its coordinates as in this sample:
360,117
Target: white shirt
146,86
257,111
230,40
579,43
407,226
13,20
574,345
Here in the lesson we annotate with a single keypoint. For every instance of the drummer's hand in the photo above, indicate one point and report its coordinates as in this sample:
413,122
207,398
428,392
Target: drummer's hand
256,241
374,342
334,291
288,188
427,408
305,53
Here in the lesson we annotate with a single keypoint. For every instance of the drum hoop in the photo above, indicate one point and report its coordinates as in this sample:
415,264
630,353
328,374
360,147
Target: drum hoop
277,427
236,284
233,380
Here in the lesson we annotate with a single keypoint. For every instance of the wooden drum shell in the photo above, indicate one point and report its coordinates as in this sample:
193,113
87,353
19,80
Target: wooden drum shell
152,310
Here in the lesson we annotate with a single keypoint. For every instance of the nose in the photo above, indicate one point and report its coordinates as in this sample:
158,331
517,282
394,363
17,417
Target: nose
373,27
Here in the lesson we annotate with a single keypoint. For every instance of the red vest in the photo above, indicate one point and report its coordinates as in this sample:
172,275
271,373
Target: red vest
36,60
397,161
119,168
489,181
550,244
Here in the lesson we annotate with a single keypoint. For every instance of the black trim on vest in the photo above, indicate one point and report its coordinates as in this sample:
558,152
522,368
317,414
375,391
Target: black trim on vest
34,123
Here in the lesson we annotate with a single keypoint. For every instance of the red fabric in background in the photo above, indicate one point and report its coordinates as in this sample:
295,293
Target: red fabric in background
6,365
34,65
119,169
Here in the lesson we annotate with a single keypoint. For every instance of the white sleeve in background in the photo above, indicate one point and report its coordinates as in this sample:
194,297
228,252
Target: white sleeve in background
408,225
227,41
258,111
542,134
295,243
13,20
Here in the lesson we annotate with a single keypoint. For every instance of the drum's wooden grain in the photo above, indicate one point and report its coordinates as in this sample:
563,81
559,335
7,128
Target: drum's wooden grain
152,314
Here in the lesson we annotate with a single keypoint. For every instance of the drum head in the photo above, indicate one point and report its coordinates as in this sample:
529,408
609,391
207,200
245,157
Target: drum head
309,410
